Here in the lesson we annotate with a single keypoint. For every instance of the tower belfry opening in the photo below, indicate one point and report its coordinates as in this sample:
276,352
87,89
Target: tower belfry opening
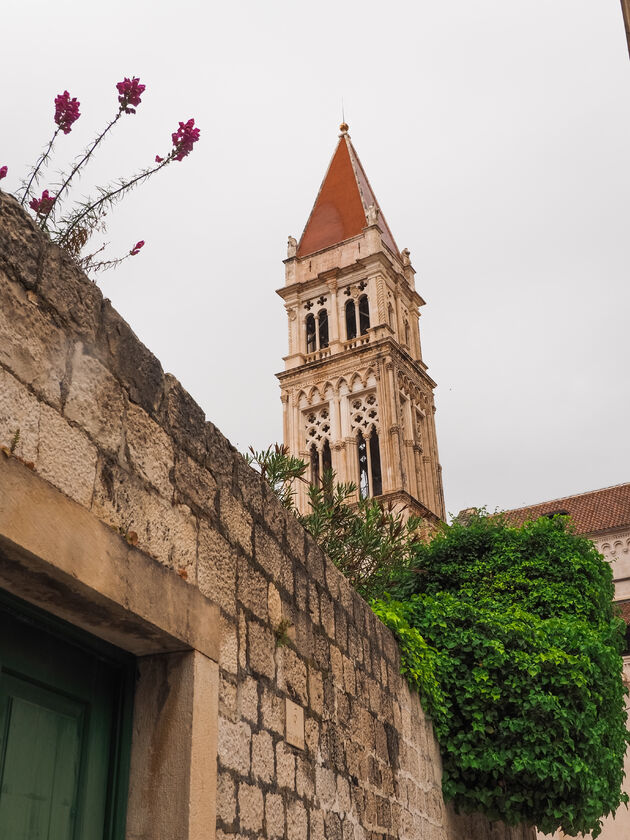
356,393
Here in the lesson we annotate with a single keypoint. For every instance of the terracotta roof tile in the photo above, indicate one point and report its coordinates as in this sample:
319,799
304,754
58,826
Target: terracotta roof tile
340,208
598,510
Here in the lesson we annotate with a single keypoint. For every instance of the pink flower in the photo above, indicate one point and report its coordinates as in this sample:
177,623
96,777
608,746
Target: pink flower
3,172
158,159
130,91
184,139
136,248
66,111
43,205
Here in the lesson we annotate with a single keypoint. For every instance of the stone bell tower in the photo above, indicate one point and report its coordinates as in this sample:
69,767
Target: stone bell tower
355,391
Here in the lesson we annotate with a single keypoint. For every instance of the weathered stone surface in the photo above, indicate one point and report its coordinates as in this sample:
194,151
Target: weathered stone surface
129,360
262,757
234,746
216,571
19,411
252,589
95,401
194,485
20,243
285,766
261,648
226,798
297,821
250,806
236,521
66,457
76,299
150,450
183,419
31,346
274,815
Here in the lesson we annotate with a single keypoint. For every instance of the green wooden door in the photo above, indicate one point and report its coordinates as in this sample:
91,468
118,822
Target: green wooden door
62,733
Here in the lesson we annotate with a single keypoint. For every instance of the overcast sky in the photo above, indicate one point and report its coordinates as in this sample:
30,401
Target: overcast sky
496,136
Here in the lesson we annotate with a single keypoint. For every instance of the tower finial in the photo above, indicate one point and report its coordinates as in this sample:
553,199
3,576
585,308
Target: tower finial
344,125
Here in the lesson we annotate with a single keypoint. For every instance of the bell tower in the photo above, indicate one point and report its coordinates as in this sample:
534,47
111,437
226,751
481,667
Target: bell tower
356,394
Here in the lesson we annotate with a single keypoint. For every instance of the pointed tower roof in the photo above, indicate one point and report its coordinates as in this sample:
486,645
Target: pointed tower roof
340,209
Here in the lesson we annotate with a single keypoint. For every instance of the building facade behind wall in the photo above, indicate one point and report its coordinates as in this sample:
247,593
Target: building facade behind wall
356,394
603,516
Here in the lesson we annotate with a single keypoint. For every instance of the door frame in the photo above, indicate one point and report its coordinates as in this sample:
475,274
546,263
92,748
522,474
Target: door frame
122,721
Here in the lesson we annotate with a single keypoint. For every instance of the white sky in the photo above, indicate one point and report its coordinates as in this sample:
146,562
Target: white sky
496,136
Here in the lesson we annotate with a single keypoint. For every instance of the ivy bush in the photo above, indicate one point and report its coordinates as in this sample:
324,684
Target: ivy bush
509,635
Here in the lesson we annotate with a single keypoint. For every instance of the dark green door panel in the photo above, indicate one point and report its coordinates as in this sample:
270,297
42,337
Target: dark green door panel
64,731
40,766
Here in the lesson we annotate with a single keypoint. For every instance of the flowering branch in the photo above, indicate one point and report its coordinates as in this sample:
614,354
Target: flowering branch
88,263
66,114
93,210
130,91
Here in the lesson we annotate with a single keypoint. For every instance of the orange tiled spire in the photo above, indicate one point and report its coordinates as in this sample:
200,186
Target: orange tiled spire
340,209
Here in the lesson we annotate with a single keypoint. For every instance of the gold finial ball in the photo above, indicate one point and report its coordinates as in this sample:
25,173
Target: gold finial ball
344,127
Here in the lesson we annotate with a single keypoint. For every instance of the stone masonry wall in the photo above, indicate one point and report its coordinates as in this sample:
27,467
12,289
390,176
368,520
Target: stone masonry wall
101,421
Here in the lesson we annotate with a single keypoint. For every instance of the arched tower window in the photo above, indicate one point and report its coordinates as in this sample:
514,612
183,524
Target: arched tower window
314,466
364,481
390,316
364,314
406,333
375,464
310,333
326,457
351,320
322,319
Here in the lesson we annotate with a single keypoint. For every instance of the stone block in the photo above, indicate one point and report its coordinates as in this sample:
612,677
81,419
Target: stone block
311,736
341,627
274,606
272,558
228,706
336,666
343,794
165,531
328,615
65,287
274,816
236,520
194,484
95,401
325,787
294,724
32,347
129,360
285,766
316,821
292,674
216,573
250,807
226,798
295,535
20,242
316,691
248,699
249,482
228,646
252,589
183,419
304,777
297,821
220,455
272,708
315,559
263,757
261,649
234,746
66,457
19,410
150,450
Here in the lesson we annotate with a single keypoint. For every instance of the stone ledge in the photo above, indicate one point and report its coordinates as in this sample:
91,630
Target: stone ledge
60,557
